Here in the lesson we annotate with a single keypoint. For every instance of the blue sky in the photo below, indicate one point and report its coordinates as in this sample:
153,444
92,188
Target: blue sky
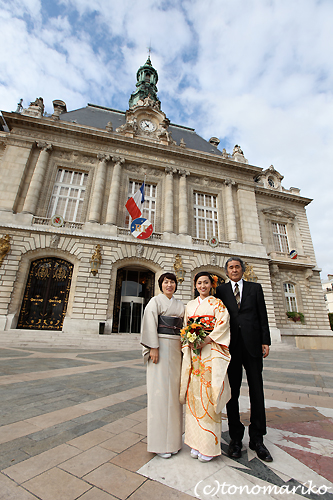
253,72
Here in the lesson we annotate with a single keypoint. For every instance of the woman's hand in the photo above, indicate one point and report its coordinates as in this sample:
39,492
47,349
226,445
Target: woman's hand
153,354
206,341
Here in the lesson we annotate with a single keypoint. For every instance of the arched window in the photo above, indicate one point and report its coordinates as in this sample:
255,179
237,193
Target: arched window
290,296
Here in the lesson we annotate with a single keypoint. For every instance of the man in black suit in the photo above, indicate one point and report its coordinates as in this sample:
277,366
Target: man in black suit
249,344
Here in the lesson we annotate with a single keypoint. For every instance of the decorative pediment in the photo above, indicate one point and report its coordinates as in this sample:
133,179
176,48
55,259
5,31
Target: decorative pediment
270,179
278,212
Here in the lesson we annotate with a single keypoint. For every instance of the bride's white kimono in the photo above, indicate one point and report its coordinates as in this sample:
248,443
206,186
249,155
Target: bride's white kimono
165,413
204,382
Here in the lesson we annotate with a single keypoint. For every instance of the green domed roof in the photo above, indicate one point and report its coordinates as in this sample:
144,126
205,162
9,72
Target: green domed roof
147,79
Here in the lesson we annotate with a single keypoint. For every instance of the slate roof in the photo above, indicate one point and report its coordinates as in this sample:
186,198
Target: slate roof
98,117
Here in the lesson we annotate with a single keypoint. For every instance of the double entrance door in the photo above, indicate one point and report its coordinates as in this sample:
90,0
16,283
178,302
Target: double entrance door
134,288
46,295
131,310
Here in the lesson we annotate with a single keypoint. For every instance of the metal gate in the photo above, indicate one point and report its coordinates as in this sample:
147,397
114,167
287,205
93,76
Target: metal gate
46,295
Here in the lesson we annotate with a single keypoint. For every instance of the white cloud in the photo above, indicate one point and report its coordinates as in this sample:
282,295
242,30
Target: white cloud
254,72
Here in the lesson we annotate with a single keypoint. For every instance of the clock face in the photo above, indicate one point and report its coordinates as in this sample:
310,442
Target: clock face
147,126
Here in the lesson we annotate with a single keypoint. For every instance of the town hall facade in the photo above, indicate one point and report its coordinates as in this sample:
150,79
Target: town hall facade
68,259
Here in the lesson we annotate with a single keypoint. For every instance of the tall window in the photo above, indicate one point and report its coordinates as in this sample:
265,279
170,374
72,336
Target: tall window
149,206
205,215
68,195
280,237
290,295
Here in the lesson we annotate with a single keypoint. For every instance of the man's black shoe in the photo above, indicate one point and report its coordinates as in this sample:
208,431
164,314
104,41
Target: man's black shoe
261,451
235,449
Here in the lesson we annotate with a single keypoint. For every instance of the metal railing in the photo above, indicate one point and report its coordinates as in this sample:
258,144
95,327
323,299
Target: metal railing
45,221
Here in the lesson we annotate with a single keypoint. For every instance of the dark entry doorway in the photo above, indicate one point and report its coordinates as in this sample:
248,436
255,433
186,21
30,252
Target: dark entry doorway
134,288
46,295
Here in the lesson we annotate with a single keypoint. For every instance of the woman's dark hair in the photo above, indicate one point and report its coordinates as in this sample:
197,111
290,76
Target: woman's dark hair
202,273
168,276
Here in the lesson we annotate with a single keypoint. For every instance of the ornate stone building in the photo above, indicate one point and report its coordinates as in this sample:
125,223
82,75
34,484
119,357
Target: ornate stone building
68,259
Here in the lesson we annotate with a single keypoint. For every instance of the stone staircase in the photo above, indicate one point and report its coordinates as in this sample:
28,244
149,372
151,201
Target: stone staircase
77,340
44,338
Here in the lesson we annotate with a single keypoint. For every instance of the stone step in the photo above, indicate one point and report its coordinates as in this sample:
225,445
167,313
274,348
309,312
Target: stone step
42,338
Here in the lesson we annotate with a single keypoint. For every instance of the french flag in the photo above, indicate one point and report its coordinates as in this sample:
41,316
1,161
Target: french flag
134,204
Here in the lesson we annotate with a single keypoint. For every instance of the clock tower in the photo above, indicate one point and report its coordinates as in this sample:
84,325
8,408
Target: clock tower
144,117
147,79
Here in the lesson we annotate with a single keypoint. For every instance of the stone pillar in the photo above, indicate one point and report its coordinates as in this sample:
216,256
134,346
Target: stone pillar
183,208
37,179
230,210
98,191
113,203
248,215
168,200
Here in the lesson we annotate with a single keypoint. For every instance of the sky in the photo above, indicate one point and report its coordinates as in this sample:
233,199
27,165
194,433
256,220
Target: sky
257,73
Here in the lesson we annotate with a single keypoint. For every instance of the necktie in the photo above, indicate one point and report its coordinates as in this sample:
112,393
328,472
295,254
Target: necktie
237,295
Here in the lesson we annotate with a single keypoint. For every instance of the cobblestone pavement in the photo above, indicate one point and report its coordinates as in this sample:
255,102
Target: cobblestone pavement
73,426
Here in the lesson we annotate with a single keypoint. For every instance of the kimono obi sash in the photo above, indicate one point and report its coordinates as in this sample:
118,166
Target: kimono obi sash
169,325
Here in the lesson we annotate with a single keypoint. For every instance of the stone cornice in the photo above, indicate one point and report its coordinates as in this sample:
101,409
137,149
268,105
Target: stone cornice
58,127
292,264
87,237
282,195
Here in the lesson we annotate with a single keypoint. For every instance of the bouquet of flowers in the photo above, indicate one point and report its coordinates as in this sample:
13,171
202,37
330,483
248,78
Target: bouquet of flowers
194,333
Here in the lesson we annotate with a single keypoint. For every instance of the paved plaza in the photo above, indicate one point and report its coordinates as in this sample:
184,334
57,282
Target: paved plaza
73,426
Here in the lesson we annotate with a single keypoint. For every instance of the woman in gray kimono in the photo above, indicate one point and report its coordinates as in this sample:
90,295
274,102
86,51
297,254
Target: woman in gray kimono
160,337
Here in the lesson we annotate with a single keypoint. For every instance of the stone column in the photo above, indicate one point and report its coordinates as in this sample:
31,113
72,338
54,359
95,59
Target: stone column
168,200
98,191
230,210
37,179
113,203
183,208
248,215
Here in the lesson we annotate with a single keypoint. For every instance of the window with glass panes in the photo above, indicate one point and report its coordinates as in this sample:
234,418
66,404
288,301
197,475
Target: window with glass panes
290,295
149,206
205,215
68,195
280,237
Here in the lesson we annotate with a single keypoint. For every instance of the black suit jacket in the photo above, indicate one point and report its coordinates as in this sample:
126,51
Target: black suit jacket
250,320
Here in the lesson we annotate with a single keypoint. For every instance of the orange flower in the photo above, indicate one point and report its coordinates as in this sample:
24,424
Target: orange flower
215,280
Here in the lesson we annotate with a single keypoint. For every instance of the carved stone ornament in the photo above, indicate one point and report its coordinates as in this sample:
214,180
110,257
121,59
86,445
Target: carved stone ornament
275,276
270,179
109,127
182,143
139,250
229,182
55,240
44,146
164,135
170,170
278,212
308,274
213,259
118,159
179,269
35,109
238,155
249,274
4,247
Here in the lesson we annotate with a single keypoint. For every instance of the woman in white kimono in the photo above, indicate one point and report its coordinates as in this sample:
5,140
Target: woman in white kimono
160,336
204,383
